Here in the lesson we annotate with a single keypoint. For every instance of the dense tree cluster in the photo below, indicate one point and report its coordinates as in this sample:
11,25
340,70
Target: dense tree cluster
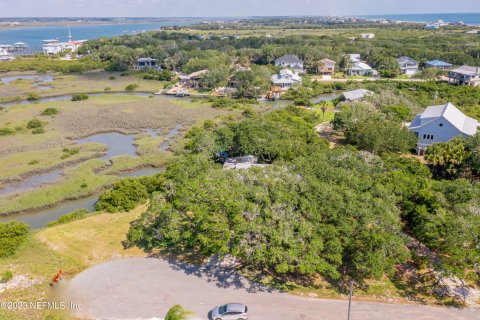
313,210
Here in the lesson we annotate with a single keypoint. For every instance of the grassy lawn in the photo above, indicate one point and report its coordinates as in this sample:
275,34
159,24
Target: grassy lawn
71,247
78,182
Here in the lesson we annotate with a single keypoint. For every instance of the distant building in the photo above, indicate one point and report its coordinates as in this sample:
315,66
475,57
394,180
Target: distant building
431,27
20,46
146,63
6,47
54,46
244,162
290,61
367,36
193,79
326,67
5,55
465,75
356,95
408,66
358,67
286,79
442,65
441,124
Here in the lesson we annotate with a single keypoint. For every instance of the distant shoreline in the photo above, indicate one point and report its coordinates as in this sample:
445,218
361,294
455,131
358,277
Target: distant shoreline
9,25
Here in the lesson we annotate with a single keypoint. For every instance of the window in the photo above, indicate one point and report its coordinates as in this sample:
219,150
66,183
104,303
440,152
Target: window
440,125
431,137
424,136
416,134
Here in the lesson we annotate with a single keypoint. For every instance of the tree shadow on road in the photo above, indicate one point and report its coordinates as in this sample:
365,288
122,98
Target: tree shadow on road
224,273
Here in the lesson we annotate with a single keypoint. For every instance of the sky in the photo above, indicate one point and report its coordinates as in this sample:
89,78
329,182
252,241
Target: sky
224,8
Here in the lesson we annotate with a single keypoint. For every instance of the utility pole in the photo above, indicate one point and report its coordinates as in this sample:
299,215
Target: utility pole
350,299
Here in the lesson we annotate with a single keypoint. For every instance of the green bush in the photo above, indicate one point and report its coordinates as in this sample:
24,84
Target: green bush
6,132
34,124
12,235
69,217
112,78
79,97
107,89
69,152
33,96
6,276
38,131
131,87
33,162
177,312
49,112
125,195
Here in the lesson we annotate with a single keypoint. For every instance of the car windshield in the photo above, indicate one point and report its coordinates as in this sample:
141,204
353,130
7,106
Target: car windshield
222,309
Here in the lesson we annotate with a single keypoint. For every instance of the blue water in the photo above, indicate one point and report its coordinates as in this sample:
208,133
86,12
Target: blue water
34,36
467,18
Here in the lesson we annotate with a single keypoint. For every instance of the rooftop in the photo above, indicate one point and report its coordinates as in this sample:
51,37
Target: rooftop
289,58
467,70
438,63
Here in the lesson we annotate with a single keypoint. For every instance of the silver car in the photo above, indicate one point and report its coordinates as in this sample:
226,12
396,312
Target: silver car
230,311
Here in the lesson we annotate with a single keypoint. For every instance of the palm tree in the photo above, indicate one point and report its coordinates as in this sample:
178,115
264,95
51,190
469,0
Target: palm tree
324,106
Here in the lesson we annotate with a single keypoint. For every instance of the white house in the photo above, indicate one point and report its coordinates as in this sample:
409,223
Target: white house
440,124
356,95
146,63
52,46
286,79
290,61
367,36
5,55
245,162
465,75
358,67
408,65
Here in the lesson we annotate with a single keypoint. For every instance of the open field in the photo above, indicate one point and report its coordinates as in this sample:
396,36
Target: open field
95,81
71,247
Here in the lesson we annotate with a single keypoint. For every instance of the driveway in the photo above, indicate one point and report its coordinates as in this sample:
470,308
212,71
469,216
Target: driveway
145,288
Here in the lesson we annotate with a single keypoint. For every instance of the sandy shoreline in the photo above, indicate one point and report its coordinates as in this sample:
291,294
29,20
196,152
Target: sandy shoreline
8,25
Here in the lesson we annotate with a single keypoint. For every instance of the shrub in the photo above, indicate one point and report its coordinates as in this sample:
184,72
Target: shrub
131,87
125,195
12,235
107,89
303,102
6,132
79,97
112,78
69,152
34,124
6,276
49,112
33,96
38,131
177,312
33,162
69,217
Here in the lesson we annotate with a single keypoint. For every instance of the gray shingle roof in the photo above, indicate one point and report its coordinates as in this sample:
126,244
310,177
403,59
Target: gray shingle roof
289,59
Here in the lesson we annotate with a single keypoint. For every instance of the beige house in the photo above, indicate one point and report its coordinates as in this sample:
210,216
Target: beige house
326,67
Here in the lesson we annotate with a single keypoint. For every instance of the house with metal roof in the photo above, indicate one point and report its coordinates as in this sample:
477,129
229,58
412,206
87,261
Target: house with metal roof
407,65
465,75
286,79
290,61
358,67
146,63
441,124
356,95
439,64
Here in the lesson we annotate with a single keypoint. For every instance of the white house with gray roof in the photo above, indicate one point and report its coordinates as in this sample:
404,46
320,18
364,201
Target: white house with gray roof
358,67
290,61
408,66
286,79
441,124
356,95
465,75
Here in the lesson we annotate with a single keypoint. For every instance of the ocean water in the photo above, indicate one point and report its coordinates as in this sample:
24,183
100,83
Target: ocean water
468,18
34,36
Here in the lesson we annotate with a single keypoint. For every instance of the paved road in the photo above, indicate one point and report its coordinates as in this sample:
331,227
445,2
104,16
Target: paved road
144,288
